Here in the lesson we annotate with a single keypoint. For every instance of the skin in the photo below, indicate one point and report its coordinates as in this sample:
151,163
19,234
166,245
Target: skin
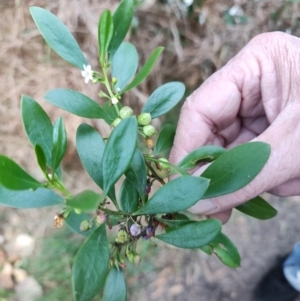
254,97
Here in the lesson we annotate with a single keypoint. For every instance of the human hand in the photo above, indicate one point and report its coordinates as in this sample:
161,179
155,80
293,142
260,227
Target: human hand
256,96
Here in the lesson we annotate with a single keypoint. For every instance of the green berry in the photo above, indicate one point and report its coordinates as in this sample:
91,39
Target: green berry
84,225
126,112
164,166
144,119
116,122
114,80
149,130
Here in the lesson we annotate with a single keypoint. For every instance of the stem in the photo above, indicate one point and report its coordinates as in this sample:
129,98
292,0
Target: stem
157,177
113,212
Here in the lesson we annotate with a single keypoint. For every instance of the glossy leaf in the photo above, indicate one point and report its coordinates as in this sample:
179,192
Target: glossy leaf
41,158
109,112
176,195
59,143
207,153
58,37
177,220
13,177
105,33
74,102
37,125
124,65
193,235
258,208
236,168
136,173
129,197
115,286
38,198
146,69
90,147
87,200
91,266
74,220
165,139
119,151
226,251
122,19
164,98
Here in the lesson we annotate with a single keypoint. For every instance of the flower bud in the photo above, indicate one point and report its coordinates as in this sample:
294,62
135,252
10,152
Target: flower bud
116,122
150,231
114,100
101,218
126,112
84,225
135,230
114,80
164,166
148,189
122,237
149,130
144,119
149,143
130,255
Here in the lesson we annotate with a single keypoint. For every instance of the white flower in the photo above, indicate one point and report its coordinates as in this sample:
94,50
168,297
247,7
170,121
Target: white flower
188,2
114,100
135,230
235,10
87,73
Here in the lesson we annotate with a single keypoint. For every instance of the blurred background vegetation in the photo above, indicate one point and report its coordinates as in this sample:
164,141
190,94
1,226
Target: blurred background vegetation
35,258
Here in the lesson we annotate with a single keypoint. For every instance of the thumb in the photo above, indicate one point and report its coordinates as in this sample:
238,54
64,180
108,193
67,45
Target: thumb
283,165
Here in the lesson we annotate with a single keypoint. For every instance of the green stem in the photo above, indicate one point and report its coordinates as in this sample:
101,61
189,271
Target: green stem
156,176
113,212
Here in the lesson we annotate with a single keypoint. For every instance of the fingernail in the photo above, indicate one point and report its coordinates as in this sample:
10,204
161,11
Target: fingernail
204,207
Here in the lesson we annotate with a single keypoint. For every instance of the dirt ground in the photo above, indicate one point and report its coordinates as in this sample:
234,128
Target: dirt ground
196,44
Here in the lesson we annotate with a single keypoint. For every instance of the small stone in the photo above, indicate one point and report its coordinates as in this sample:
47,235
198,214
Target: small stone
29,289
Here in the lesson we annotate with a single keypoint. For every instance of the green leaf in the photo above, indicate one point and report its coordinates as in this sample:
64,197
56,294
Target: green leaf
178,220
136,173
146,69
177,195
59,143
165,139
236,168
74,220
208,249
115,286
258,208
41,158
105,33
37,125
90,147
194,235
91,266
13,177
164,98
124,65
129,197
38,198
119,151
87,200
58,36
109,112
207,153
122,19
74,102
226,251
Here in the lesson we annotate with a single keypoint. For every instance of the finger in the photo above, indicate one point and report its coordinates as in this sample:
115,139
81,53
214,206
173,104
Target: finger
289,188
211,115
283,165
223,216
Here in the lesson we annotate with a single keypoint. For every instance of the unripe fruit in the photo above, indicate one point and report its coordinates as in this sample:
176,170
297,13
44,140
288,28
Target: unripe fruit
144,119
114,100
164,166
126,112
149,130
114,80
122,237
84,226
116,122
